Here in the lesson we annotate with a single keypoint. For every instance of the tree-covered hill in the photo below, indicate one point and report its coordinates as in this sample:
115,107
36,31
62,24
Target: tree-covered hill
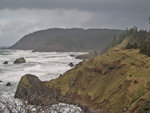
74,39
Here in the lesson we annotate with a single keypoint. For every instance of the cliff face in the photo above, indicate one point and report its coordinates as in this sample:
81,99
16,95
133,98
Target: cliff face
67,40
117,81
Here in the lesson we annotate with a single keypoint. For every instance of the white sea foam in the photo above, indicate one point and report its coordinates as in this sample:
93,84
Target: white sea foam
45,65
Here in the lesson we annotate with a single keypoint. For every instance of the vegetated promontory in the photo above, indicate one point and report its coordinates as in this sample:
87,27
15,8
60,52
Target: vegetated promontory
60,40
114,82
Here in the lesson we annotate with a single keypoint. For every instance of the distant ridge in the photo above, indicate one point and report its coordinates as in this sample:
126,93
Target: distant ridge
65,40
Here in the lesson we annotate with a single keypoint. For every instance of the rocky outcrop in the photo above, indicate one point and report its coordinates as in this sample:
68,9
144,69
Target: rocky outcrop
6,62
19,60
32,89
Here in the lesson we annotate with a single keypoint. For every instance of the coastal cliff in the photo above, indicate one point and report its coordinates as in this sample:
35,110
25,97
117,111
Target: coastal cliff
117,81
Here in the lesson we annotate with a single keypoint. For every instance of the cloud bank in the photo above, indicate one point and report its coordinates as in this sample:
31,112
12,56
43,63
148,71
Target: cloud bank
20,17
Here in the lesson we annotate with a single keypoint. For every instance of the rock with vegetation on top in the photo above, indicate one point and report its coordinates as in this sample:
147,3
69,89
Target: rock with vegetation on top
19,60
31,88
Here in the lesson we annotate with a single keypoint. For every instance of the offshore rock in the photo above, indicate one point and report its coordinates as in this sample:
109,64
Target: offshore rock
19,60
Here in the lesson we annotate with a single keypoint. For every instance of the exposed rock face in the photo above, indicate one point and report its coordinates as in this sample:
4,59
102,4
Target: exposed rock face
6,62
103,84
19,60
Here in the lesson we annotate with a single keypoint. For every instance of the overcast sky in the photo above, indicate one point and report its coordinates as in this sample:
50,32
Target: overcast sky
20,17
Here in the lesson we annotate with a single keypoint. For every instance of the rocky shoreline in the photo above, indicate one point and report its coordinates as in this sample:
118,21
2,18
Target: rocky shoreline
35,91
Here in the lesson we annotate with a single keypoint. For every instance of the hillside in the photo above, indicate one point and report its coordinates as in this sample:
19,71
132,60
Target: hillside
114,82
75,39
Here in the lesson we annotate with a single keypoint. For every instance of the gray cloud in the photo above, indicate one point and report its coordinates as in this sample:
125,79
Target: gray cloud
16,23
136,6
19,17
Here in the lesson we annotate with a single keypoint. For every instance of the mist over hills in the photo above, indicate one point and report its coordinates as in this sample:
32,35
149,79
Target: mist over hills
65,40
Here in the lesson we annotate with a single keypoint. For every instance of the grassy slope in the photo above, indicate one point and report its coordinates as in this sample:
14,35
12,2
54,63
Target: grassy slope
113,82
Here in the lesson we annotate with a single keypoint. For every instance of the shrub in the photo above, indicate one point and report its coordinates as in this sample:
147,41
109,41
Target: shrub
138,95
145,48
135,81
129,46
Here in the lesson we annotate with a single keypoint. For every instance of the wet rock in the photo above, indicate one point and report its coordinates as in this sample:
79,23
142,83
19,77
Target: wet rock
61,75
6,62
19,60
71,64
72,55
8,84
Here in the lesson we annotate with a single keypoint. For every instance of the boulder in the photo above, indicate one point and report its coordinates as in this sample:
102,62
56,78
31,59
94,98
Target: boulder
28,86
61,75
19,60
6,62
71,64
32,89
1,81
8,84
72,55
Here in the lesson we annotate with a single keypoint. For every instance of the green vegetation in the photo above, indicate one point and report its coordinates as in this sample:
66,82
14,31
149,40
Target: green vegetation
145,108
138,95
145,48
135,81
115,80
25,81
139,39
131,46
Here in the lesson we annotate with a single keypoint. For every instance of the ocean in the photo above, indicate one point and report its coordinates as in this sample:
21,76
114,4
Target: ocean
45,65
